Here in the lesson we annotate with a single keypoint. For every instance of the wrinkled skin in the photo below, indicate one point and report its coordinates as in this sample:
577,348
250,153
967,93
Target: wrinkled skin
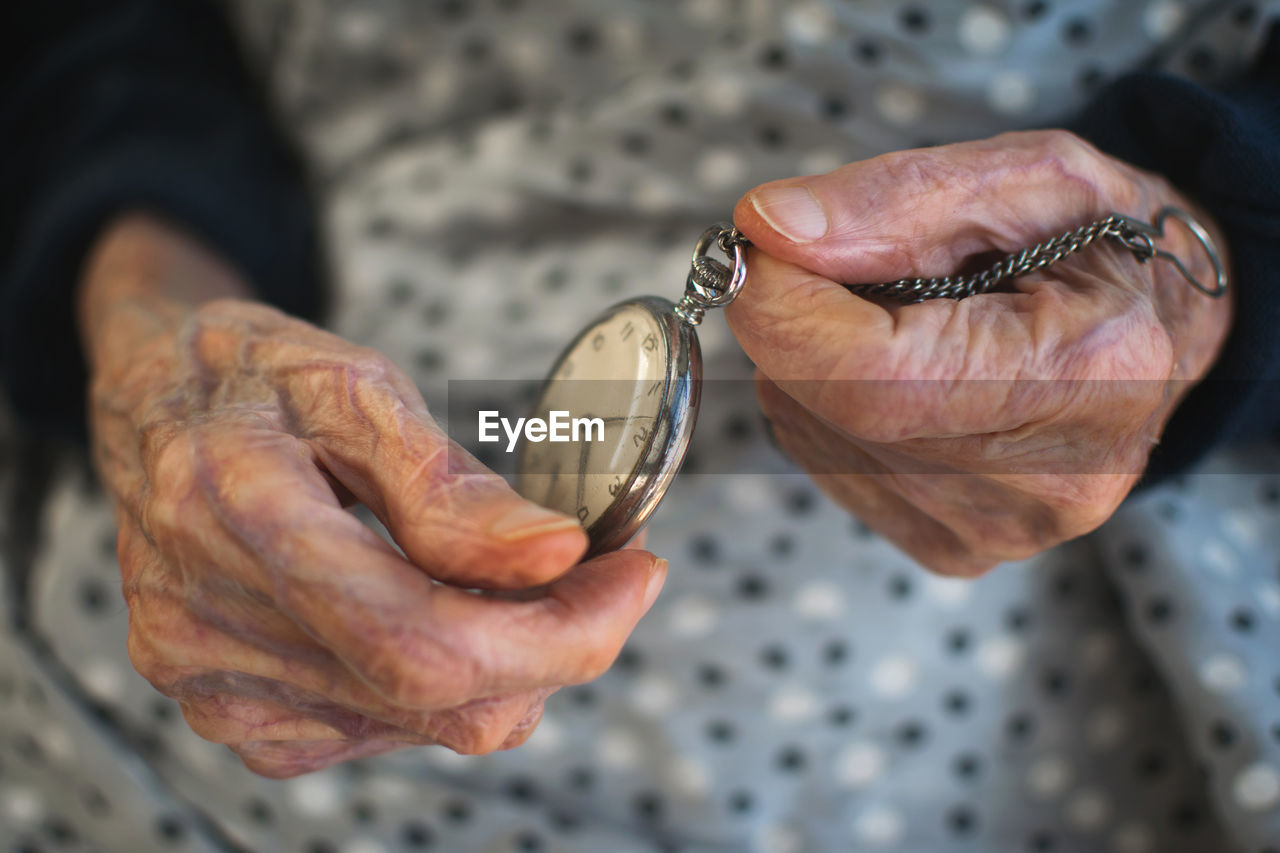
231,436
986,429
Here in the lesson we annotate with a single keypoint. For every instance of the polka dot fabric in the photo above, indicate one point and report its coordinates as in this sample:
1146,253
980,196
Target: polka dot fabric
494,175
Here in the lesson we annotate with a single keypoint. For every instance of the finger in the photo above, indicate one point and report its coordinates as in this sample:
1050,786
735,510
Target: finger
286,759
923,212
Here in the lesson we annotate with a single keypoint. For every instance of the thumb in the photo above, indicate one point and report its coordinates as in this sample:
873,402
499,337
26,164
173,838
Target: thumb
923,212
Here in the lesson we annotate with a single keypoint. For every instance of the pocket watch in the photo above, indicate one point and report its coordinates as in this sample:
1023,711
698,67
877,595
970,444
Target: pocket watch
637,370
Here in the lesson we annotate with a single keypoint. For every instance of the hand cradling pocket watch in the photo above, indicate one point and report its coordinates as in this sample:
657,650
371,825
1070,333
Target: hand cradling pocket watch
637,368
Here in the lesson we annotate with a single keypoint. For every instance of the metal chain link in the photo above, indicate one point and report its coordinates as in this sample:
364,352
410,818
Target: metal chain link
1037,257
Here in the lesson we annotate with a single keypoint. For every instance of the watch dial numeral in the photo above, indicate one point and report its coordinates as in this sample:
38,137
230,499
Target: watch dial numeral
597,342
615,487
641,436
650,342
566,370
654,388
583,512
627,330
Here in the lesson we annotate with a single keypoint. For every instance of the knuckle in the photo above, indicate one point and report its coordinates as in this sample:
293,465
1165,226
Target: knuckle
419,674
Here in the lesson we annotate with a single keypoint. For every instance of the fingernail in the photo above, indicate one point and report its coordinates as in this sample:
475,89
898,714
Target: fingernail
529,520
656,580
794,212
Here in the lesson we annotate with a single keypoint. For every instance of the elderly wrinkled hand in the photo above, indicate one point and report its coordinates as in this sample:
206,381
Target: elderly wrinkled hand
993,427
231,437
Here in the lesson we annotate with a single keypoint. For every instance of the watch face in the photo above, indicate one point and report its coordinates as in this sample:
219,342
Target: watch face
624,397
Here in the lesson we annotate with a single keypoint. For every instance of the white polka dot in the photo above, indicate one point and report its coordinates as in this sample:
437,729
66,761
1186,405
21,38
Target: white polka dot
200,755
809,23
879,826
859,764
1163,18
1268,595
314,795
1219,558
817,600
1257,787
103,678
618,749
363,845
388,789
1048,777
59,744
1133,838
749,492
1010,92
705,11
22,806
725,95
442,756
984,31
626,37
1000,657
893,677
1106,727
692,616
1223,673
689,776
655,196
782,838
359,28
792,704
1243,527
438,84
1088,811
654,694
821,162
527,52
949,592
899,104
721,168
1097,650
547,737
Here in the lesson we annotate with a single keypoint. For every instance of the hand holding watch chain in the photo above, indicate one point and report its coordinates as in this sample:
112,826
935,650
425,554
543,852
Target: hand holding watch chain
645,357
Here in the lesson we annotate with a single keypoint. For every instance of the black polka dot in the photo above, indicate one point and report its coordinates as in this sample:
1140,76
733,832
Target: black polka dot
28,748
782,545
1245,15
1040,842
912,733
648,805
1185,816
417,835
522,789
584,696
774,657
741,801
580,170
674,114
1243,620
958,641
1077,31
834,107
95,802
1020,726
1150,764
59,830
842,715
1269,494
773,57
429,360
967,766
705,550
771,137
835,652
629,660
915,20
1056,682
170,829
363,811
529,841
711,675
259,811
581,778
791,759
457,811
565,821
721,731
956,702
868,51
800,502
1222,734
752,587
899,587
1017,618
737,428
1090,79
636,144
1159,610
1064,586
1035,9
961,820
453,11
582,39
1202,61
1134,556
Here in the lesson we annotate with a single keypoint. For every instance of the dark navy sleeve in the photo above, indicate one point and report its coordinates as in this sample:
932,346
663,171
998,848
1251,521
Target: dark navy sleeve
114,105
1223,150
